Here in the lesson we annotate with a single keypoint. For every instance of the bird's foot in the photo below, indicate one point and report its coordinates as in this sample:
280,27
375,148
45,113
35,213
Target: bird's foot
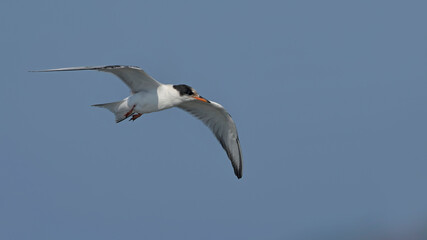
130,112
135,116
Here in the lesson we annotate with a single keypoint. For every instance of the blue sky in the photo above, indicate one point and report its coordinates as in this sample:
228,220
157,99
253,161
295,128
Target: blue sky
328,96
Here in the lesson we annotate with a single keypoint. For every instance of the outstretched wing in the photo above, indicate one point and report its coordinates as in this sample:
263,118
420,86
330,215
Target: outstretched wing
134,77
222,125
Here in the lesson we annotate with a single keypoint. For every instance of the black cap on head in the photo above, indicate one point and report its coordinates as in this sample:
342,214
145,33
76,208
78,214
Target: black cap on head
184,89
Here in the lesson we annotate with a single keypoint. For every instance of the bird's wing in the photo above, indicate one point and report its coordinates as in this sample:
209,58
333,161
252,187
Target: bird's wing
222,125
134,77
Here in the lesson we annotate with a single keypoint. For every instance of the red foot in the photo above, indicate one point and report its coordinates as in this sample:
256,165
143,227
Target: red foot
135,116
130,112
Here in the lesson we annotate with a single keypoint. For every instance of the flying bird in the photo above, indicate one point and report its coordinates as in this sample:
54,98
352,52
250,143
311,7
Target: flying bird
149,95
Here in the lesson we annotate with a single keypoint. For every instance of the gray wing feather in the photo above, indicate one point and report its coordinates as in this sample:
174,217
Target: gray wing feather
134,77
222,125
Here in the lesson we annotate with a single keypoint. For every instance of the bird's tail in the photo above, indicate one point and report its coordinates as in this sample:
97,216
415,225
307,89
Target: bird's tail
119,109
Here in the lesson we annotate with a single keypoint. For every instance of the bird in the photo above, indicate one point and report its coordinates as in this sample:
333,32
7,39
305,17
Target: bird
148,95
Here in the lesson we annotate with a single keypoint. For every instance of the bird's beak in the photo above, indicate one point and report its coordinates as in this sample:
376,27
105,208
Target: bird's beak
200,98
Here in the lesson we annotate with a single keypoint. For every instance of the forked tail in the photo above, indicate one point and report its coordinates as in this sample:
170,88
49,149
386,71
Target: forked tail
119,109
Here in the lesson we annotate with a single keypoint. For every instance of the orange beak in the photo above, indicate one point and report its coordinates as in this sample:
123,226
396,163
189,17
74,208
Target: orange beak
200,98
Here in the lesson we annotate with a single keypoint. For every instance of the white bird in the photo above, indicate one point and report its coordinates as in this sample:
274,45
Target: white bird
149,95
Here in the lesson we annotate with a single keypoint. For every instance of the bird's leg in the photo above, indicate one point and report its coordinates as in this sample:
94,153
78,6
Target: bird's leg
135,116
130,112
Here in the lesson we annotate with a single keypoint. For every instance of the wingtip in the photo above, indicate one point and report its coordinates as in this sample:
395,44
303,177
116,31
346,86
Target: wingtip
239,173
47,70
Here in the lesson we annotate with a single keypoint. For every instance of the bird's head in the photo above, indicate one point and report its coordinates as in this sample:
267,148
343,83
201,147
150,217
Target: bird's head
189,93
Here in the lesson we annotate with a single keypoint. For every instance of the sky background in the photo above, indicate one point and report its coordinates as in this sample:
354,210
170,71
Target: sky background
329,98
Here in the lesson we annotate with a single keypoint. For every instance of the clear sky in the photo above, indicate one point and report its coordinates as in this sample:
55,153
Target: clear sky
329,98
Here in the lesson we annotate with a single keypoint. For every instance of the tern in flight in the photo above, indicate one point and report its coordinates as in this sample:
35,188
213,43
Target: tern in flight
149,95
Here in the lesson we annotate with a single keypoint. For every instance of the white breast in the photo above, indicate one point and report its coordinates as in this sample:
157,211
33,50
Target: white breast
164,97
168,97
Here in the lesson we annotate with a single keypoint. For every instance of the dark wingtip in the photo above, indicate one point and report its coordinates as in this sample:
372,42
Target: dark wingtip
238,173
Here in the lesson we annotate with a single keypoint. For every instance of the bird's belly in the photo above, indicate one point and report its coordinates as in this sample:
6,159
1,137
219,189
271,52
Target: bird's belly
146,103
